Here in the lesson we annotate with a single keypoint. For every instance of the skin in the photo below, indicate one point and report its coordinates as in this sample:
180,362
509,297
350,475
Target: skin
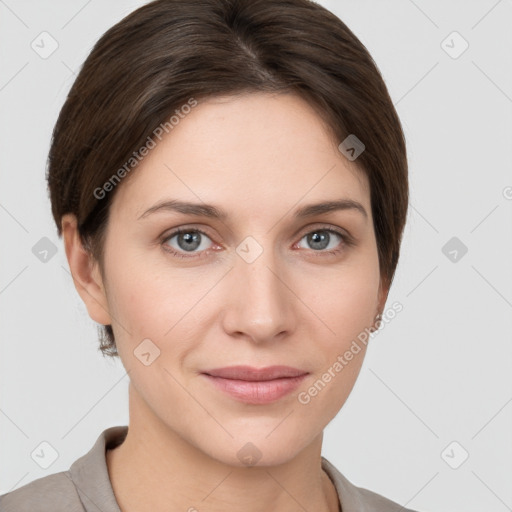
259,157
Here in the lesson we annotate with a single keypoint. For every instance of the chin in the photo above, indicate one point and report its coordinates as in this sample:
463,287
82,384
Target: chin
258,448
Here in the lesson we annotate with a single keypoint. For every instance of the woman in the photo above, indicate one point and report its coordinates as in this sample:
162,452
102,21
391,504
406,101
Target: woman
230,182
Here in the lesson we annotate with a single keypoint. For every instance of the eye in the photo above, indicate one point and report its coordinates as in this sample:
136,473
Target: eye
187,241
193,241
322,239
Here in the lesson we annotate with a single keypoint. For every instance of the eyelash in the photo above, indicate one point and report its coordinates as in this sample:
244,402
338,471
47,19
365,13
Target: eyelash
347,241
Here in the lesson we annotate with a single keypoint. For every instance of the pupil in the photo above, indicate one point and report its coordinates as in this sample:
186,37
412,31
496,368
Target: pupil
191,238
322,239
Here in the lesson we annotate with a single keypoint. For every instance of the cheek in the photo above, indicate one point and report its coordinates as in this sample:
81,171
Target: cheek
350,310
346,300
149,308
346,305
155,302
138,296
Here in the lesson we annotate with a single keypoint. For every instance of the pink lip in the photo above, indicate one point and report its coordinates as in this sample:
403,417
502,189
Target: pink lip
256,386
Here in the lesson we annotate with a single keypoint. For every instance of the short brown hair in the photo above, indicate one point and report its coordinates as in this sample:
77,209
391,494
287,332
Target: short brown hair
167,51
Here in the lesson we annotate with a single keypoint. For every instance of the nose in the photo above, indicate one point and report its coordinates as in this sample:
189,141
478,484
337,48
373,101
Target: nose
260,305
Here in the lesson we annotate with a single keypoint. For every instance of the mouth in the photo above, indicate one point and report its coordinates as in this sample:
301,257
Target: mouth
256,386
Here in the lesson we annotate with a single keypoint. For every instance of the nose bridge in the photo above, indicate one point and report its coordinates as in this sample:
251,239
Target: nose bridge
257,269
260,301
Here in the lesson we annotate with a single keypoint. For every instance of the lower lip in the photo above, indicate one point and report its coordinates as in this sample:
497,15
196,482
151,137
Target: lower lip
257,392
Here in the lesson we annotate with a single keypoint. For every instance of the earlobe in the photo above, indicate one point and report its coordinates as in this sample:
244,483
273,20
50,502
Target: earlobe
85,272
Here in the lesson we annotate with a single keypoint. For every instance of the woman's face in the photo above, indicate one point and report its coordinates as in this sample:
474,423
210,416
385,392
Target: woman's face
258,287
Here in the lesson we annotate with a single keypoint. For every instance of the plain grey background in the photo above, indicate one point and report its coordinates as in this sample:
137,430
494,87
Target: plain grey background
435,387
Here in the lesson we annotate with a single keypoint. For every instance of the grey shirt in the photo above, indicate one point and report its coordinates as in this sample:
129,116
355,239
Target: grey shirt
86,486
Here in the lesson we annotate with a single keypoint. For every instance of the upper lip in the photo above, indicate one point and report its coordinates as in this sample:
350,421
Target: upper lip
250,373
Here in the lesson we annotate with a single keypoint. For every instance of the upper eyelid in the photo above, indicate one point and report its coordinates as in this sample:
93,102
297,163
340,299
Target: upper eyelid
305,230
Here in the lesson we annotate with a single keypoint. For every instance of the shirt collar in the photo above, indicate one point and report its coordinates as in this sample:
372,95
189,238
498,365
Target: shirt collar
90,474
349,495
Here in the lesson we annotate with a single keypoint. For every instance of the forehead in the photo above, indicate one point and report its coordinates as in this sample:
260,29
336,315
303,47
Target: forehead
251,151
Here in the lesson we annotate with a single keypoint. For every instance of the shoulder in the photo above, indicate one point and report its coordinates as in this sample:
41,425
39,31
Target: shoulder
376,502
52,493
78,489
354,498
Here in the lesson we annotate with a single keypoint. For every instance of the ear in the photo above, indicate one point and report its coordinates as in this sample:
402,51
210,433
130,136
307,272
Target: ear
85,272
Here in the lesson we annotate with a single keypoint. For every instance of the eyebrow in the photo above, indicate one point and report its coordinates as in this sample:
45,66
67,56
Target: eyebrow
207,210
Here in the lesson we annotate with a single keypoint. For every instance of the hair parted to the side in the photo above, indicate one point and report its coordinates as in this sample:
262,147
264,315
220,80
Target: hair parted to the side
154,60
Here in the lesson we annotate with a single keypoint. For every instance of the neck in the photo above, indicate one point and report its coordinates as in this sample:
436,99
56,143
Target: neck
155,469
